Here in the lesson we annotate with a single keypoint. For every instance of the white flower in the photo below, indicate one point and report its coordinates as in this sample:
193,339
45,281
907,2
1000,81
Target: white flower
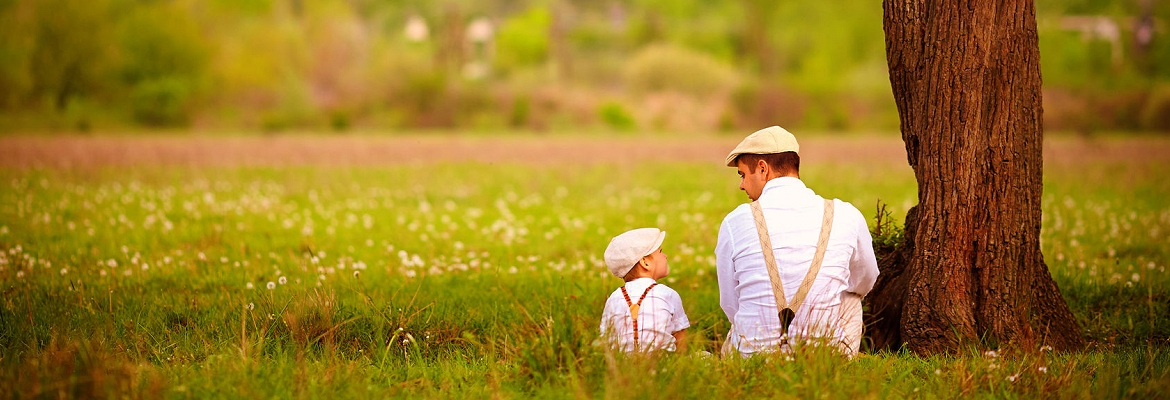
249,285
251,306
1012,378
64,271
20,274
271,285
102,272
145,266
1042,370
356,273
282,280
111,263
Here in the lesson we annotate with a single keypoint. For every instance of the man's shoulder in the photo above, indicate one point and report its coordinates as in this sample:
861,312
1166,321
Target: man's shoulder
740,211
845,209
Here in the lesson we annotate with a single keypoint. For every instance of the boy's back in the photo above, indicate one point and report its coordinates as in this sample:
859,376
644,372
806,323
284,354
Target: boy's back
660,315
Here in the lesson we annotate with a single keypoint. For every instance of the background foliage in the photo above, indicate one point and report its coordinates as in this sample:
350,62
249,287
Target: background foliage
540,64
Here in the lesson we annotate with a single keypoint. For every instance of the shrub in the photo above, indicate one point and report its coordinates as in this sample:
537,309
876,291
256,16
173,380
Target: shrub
615,116
161,102
673,68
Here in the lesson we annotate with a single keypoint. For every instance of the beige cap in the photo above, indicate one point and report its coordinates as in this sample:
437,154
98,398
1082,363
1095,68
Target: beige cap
627,249
770,140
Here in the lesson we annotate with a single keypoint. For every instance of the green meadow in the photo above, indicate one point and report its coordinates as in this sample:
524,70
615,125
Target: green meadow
463,279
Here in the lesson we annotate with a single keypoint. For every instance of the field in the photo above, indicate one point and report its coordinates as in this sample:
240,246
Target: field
470,266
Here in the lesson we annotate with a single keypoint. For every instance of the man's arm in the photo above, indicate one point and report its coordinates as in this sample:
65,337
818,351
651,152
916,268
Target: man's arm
863,270
725,269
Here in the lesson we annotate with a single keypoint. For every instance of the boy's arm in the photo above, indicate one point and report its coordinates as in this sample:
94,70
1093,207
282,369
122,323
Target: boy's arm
680,340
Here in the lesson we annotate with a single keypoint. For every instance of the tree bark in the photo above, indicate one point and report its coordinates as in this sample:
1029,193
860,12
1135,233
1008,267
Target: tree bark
966,80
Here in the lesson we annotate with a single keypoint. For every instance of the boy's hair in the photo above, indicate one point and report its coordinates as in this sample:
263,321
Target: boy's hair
630,275
786,163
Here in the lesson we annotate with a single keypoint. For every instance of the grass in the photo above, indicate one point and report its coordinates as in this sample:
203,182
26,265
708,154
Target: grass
485,280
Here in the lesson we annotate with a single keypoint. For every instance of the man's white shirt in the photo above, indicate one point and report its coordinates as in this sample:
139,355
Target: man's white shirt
793,214
661,315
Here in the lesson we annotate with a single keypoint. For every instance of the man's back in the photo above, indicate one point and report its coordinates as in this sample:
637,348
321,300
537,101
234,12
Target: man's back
794,216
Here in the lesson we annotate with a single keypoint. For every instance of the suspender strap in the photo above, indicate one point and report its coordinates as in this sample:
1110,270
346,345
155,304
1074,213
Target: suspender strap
634,307
787,312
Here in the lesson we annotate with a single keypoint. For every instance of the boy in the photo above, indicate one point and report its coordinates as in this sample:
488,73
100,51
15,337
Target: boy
642,315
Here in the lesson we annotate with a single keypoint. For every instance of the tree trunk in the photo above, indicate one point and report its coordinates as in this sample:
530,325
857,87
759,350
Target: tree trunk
966,80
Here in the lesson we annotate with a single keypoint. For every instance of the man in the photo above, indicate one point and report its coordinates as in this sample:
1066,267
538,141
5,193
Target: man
828,306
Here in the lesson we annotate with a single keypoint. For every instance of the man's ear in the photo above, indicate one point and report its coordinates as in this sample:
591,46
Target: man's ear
762,166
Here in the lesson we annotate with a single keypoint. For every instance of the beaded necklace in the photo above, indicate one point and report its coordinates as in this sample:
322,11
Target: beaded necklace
634,307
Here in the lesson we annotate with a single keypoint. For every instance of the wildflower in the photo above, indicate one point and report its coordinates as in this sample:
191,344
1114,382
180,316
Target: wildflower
271,285
1045,348
1135,277
1043,370
64,271
145,266
127,272
938,371
990,353
282,280
1012,378
20,274
250,286
112,263
251,306
356,273
102,272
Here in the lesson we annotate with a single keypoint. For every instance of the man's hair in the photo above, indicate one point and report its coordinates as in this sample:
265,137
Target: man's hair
785,163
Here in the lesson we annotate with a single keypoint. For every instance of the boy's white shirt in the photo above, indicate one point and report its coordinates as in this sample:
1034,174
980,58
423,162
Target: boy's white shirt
659,317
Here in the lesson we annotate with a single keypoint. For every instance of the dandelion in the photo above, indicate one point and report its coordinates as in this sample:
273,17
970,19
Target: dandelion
251,306
1012,378
112,263
145,266
271,285
127,272
282,280
1135,277
20,274
356,273
250,286
410,273
102,272
64,271
938,371
1042,369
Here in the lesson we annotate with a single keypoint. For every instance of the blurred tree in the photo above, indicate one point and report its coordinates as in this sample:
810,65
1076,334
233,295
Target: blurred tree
966,79
523,40
164,63
72,51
